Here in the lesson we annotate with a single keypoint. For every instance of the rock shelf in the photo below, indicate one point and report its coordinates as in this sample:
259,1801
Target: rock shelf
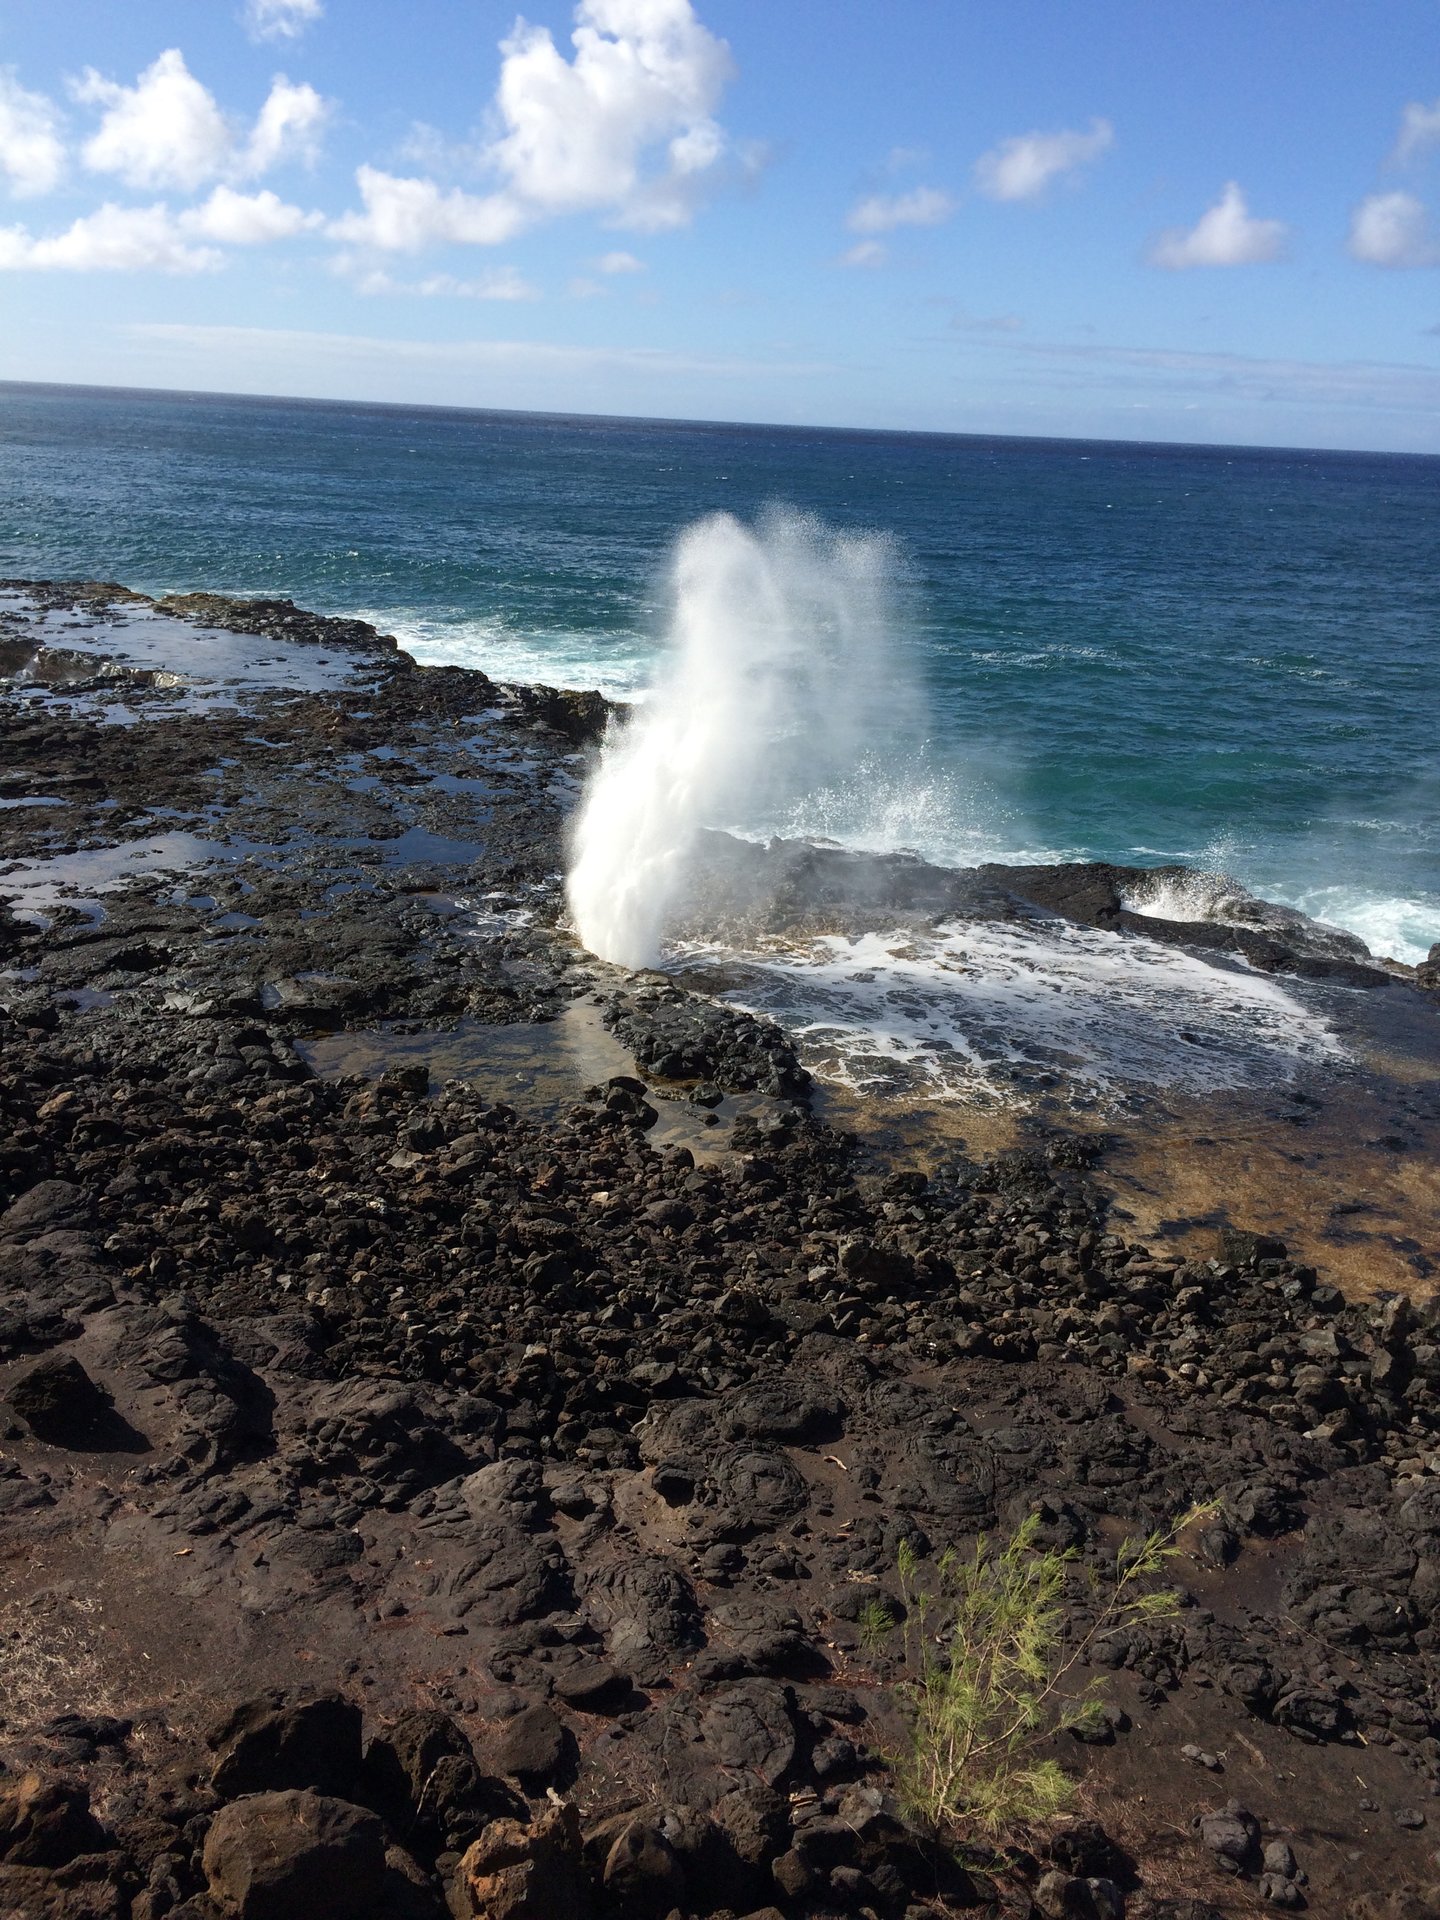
416,1501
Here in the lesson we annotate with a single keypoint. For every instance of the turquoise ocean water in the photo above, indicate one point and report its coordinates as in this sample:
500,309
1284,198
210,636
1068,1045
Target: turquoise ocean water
1222,656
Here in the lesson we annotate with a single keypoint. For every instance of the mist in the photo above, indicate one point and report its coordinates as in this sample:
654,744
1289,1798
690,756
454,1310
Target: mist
785,698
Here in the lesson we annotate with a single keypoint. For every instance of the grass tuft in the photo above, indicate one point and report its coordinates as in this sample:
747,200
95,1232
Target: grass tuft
990,1677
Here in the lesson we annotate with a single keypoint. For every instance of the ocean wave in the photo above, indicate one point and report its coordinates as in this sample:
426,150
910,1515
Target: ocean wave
1389,926
620,667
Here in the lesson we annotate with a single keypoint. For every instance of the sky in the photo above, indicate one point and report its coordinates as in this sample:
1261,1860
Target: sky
1208,220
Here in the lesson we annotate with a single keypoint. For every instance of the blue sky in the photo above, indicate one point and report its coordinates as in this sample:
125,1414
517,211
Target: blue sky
1213,221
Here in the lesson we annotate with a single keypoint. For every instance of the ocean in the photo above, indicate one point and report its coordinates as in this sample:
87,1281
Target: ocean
1220,656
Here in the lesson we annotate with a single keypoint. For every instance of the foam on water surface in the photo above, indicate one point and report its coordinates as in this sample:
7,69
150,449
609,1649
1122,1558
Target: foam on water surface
620,666
998,1010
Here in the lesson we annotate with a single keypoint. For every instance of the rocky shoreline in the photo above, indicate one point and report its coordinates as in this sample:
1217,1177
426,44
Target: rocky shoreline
420,1501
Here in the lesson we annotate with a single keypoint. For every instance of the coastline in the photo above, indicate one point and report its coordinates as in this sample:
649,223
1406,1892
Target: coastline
482,1408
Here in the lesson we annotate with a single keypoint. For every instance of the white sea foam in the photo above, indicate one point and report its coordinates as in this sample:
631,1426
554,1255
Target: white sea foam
995,1008
1392,927
1389,926
619,666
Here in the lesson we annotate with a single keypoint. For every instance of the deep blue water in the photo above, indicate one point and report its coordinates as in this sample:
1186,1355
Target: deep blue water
1222,655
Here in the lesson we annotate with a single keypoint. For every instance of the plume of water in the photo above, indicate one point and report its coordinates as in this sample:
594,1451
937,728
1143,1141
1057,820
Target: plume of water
782,678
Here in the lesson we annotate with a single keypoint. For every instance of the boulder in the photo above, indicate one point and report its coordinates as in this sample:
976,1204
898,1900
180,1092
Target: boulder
533,1748
515,1872
422,1776
278,1742
1231,1837
643,1874
61,1404
53,1203
46,1823
295,1856
1062,1896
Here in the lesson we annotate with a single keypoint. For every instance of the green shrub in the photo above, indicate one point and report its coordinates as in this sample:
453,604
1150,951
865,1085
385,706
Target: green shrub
990,1677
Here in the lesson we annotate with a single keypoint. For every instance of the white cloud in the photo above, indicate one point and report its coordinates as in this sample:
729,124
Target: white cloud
866,253
32,155
500,283
1393,230
168,130
288,128
1227,235
238,344
280,19
165,131
246,219
619,263
1022,167
405,215
1419,129
883,212
625,129
646,75
112,239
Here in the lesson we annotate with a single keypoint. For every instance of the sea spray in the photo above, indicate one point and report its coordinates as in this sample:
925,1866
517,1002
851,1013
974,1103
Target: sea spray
783,678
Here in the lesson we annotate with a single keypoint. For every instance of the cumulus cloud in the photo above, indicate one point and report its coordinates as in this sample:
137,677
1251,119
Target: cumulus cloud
403,215
168,130
32,155
280,19
1022,167
625,129
619,263
883,212
288,128
246,219
1419,129
138,239
646,76
1393,230
1227,235
112,239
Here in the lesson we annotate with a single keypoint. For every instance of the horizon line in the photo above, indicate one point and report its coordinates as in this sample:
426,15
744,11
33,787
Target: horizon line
664,420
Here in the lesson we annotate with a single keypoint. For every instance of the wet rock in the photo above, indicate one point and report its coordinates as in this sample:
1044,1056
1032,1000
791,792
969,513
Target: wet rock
291,1856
